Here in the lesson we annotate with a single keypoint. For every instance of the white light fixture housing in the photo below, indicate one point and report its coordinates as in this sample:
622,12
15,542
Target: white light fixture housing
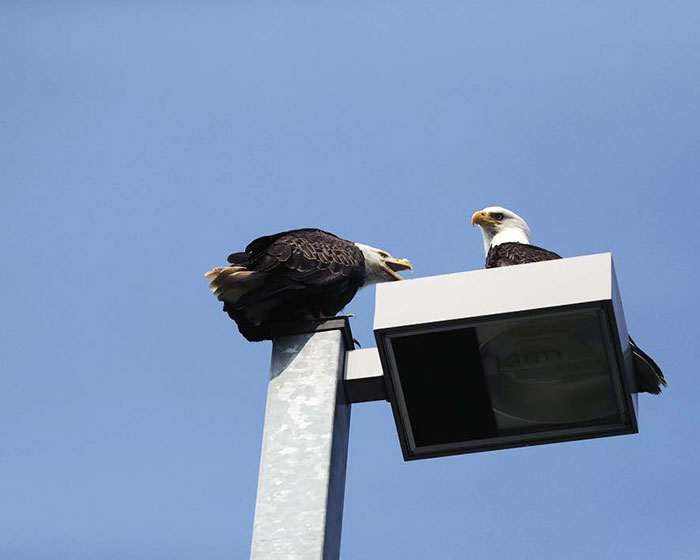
506,357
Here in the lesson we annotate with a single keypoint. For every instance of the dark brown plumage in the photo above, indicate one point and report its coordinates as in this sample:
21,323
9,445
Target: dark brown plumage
507,254
288,276
297,274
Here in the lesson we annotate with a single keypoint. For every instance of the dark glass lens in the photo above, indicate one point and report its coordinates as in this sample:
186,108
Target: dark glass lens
508,377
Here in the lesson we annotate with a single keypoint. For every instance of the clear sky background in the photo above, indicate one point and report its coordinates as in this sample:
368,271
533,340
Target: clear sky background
141,142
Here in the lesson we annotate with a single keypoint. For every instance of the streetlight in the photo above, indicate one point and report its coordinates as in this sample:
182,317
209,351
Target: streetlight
507,357
473,361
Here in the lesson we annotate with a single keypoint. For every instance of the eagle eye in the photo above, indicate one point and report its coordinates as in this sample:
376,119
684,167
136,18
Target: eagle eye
497,215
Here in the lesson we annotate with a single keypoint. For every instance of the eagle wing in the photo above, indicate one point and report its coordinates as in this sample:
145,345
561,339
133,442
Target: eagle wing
509,254
305,257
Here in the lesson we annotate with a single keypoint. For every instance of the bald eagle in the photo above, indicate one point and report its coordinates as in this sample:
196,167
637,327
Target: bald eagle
295,275
507,242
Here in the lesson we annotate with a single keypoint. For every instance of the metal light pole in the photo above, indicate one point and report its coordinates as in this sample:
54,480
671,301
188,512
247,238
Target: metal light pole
301,486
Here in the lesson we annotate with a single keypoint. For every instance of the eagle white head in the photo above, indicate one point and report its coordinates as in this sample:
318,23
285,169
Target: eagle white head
380,266
500,225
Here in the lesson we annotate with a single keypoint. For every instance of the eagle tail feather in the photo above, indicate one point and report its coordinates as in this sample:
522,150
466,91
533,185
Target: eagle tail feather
649,376
229,283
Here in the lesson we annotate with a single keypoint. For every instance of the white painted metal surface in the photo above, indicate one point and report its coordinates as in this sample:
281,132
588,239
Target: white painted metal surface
481,293
364,378
362,364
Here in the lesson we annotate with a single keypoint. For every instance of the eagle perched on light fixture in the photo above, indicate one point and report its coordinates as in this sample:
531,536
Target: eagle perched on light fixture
295,275
507,242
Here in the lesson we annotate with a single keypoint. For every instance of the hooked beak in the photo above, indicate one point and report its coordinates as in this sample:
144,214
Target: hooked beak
395,265
483,219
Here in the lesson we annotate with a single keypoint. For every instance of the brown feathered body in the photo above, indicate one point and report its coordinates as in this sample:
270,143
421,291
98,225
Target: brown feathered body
288,276
507,254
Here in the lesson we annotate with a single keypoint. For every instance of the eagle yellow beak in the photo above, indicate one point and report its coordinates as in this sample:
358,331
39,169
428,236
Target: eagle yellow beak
483,219
394,265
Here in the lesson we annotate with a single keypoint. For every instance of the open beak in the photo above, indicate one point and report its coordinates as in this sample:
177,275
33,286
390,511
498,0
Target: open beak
481,218
393,266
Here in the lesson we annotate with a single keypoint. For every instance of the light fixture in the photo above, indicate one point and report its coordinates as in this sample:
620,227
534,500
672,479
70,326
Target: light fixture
506,357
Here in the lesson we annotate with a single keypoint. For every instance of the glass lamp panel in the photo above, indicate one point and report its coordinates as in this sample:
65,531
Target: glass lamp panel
546,372
505,377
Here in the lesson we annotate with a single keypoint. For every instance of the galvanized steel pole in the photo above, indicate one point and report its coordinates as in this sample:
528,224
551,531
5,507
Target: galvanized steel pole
301,485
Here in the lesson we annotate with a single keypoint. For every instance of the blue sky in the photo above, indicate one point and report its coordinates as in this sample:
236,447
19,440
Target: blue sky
144,141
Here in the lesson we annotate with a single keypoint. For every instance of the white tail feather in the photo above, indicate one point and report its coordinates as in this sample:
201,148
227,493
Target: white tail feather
229,283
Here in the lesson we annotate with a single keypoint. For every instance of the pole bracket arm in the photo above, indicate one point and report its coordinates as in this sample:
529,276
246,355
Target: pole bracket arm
364,377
